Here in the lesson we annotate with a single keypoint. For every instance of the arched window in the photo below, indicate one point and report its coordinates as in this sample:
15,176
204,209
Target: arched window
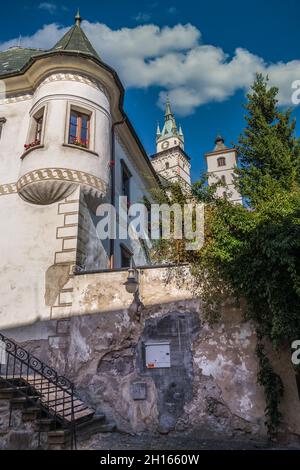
167,165
221,161
223,179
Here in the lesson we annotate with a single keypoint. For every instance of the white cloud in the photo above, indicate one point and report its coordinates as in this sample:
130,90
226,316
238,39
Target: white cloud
50,7
44,38
175,60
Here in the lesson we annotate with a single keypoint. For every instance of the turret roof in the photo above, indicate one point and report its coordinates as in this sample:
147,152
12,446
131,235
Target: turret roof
75,40
170,127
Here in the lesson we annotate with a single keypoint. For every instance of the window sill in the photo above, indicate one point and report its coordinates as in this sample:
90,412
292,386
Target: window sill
81,148
31,150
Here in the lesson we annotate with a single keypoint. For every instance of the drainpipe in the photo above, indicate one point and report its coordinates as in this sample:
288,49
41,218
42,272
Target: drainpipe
113,187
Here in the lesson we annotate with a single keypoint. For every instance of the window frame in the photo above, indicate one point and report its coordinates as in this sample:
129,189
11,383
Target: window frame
73,106
80,117
125,171
36,116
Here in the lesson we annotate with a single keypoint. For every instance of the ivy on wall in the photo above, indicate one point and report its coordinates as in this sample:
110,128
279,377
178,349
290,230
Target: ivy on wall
253,252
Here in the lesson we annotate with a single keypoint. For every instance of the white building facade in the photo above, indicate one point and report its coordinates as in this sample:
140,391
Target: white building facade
66,147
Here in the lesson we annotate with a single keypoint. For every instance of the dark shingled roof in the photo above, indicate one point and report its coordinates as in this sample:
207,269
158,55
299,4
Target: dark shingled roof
15,58
76,41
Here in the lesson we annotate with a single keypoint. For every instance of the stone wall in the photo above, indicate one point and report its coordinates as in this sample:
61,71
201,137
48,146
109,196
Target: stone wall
211,384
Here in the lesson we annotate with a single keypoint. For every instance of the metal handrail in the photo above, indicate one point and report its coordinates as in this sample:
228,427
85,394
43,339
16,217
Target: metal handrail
54,392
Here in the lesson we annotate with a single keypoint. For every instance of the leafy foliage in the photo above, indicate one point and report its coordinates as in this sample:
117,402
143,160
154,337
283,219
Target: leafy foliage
273,387
253,252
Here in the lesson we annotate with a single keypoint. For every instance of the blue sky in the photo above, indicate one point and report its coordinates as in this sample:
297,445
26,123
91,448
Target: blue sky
206,64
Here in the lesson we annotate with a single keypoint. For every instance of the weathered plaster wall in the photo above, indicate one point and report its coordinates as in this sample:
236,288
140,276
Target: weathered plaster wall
211,384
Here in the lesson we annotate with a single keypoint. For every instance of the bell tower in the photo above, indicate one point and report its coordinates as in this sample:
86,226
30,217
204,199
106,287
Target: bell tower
221,163
170,161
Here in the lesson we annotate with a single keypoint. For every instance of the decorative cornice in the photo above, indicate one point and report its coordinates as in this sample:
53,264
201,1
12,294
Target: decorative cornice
16,98
62,174
58,77
6,189
70,77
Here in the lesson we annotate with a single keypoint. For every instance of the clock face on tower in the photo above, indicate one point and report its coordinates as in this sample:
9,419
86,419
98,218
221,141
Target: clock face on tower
165,145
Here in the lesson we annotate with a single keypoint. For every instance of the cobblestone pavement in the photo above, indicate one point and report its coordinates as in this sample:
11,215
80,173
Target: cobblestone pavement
119,441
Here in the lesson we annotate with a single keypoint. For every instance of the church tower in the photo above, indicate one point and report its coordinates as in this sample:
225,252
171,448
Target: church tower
170,161
220,167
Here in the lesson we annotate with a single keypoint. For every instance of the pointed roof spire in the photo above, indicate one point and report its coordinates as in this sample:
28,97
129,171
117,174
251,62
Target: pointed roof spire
75,40
158,133
168,112
181,133
78,18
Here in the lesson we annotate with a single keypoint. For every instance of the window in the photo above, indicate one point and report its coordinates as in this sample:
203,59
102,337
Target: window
38,128
221,161
79,129
126,257
35,136
126,176
2,122
223,179
167,165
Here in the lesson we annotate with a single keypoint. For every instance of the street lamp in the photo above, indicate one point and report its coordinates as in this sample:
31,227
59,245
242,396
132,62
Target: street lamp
132,282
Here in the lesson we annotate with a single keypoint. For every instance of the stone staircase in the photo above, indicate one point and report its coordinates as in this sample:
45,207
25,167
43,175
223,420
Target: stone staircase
45,402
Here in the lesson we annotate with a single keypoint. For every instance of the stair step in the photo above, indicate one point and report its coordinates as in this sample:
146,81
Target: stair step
22,402
30,414
53,399
19,401
45,425
58,437
14,389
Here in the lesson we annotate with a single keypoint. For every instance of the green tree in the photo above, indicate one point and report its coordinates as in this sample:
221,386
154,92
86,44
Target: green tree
253,252
268,149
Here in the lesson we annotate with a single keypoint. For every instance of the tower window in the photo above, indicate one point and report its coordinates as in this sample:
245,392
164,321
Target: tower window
39,128
223,179
221,161
167,165
35,135
79,130
2,122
